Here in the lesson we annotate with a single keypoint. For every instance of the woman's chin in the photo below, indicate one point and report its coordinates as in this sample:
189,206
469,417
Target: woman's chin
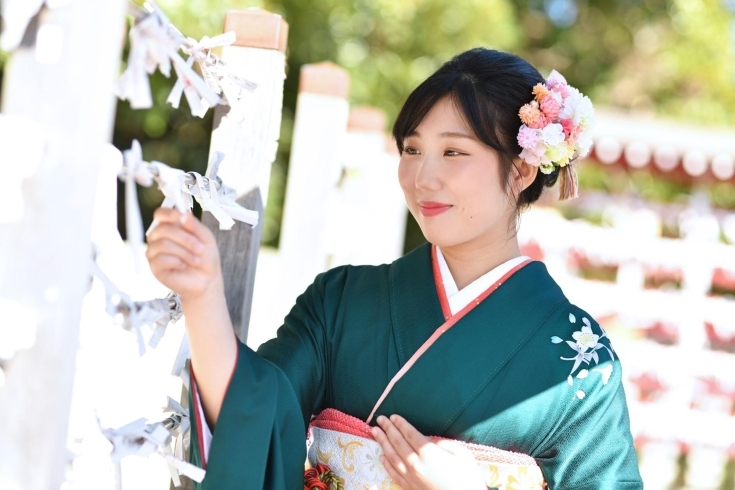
441,237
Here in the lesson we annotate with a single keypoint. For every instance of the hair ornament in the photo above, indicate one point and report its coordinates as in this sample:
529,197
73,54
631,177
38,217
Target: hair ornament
556,130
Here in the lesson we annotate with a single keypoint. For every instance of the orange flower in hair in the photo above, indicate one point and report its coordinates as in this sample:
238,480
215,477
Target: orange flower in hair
540,91
530,114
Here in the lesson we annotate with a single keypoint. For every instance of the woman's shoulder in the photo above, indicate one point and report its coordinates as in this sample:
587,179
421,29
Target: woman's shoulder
577,351
350,276
358,278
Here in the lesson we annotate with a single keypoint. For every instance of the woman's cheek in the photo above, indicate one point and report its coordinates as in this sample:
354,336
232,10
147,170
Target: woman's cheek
406,178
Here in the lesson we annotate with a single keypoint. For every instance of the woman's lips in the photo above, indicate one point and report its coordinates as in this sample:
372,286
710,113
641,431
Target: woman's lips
431,208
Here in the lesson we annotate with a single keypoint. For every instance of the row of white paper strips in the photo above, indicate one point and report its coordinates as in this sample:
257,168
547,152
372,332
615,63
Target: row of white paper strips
140,438
134,315
179,189
155,45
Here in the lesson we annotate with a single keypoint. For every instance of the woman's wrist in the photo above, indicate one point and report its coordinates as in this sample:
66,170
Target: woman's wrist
211,296
207,316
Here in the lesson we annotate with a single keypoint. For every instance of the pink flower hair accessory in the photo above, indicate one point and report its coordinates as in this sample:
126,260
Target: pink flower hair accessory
556,130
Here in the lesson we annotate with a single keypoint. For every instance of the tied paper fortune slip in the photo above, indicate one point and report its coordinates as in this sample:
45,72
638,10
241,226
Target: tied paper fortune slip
154,44
179,189
217,75
133,315
140,438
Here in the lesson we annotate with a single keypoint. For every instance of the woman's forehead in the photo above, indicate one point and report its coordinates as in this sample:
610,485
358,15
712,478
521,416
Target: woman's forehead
444,120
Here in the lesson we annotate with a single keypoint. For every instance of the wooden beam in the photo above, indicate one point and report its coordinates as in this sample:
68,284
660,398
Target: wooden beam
249,140
63,82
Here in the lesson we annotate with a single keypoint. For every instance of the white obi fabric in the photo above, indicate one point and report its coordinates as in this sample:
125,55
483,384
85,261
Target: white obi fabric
344,443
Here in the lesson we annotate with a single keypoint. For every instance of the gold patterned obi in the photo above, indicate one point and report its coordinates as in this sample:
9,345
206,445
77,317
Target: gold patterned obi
345,445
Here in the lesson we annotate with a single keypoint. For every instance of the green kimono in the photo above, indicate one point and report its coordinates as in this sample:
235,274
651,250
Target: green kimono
524,371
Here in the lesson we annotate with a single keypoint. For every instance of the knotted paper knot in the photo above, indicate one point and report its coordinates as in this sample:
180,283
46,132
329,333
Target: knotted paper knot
154,44
143,439
217,75
133,315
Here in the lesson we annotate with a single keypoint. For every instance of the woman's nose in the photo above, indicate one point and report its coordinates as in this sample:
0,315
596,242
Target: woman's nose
427,176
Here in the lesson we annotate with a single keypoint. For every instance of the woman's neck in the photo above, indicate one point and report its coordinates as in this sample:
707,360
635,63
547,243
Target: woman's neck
468,262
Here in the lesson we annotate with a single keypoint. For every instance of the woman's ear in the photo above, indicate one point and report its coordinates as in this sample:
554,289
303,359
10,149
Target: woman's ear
525,174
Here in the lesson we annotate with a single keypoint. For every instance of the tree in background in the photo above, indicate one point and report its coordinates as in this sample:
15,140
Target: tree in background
673,58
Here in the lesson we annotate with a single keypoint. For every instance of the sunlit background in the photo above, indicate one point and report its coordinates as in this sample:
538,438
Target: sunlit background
649,248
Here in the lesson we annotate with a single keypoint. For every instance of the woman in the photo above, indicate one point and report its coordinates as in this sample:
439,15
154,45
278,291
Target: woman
521,369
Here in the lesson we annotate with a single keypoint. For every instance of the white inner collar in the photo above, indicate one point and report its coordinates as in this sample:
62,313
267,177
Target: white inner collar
459,299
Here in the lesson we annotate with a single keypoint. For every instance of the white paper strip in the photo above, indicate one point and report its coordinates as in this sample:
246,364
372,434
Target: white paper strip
143,439
178,189
154,44
133,315
217,75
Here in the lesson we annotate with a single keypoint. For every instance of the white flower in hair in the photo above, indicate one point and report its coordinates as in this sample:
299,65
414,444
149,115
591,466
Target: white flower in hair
555,78
578,108
584,143
553,134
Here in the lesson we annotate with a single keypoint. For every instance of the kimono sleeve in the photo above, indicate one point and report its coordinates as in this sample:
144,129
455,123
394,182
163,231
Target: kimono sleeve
259,440
591,447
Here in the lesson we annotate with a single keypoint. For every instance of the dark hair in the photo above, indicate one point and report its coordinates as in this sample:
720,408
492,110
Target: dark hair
488,87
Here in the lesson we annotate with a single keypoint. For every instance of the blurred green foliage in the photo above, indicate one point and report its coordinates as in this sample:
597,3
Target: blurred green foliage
675,58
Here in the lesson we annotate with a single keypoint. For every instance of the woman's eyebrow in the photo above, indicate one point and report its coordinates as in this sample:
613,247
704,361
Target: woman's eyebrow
445,134
456,134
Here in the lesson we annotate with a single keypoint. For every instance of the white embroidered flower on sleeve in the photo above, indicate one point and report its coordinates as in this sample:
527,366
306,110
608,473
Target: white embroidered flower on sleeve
586,344
585,338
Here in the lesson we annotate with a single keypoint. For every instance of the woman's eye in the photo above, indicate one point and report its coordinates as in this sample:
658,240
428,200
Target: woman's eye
411,151
453,153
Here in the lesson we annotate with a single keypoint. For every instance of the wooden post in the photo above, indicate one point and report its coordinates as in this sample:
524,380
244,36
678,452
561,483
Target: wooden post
368,224
314,170
249,142
64,82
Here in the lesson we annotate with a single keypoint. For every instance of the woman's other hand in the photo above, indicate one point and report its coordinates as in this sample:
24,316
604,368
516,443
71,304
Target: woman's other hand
415,462
183,254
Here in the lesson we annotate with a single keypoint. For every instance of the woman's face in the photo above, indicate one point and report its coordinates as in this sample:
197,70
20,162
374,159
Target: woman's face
452,182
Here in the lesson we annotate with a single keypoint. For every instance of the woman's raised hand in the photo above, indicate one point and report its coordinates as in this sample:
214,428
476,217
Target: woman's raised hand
183,254
415,462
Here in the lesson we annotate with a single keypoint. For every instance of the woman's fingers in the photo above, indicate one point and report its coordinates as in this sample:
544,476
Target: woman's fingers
398,441
166,246
167,263
175,233
389,451
197,228
169,215
415,438
394,474
187,221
